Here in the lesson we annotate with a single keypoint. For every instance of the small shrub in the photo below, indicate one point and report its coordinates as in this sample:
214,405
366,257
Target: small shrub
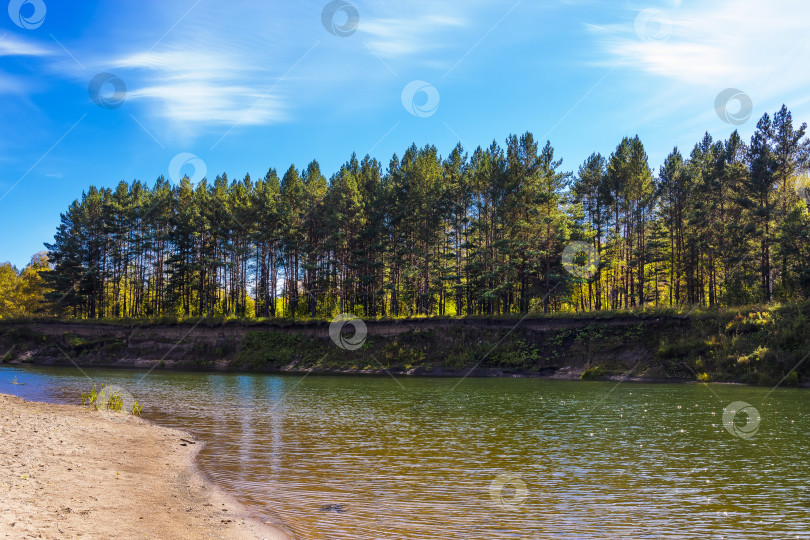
594,372
684,348
457,360
24,334
73,340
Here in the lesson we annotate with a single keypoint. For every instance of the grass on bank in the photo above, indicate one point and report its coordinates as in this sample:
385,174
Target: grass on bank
647,312
107,399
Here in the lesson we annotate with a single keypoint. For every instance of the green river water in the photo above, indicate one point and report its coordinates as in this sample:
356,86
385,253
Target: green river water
330,457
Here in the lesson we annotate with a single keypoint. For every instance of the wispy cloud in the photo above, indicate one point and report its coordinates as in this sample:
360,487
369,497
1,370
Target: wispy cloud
188,82
200,87
721,44
13,46
757,47
408,35
12,82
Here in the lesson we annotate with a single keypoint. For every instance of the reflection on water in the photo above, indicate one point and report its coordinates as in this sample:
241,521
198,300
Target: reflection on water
369,457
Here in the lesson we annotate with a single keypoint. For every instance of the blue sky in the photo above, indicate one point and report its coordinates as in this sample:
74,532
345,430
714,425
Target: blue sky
244,86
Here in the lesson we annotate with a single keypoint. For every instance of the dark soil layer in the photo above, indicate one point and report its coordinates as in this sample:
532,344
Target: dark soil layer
748,345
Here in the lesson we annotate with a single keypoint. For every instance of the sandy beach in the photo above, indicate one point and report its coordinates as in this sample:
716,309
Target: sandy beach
68,472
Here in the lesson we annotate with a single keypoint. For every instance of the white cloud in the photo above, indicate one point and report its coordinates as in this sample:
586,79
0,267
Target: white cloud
757,47
201,87
731,43
200,101
407,35
11,46
17,83
187,80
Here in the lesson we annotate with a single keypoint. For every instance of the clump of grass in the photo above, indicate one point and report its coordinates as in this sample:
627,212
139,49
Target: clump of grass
106,398
114,402
90,398
591,373
136,409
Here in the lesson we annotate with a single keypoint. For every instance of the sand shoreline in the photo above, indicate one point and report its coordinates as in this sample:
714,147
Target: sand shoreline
68,472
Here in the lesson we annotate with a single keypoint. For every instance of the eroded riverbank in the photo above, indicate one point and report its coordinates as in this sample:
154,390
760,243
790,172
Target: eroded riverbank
750,345
435,347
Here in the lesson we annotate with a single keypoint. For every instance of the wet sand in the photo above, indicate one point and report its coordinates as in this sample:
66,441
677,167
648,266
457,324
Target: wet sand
68,472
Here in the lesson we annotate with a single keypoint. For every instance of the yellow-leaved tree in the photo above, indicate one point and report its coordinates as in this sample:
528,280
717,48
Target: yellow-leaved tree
22,293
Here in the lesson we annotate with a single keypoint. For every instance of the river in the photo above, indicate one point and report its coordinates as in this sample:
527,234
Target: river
362,457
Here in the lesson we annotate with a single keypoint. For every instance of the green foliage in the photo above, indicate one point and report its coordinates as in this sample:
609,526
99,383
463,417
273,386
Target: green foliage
593,372
274,349
107,399
22,334
635,332
22,293
515,353
792,379
479,234
681,348
757,345
137,409
73,340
